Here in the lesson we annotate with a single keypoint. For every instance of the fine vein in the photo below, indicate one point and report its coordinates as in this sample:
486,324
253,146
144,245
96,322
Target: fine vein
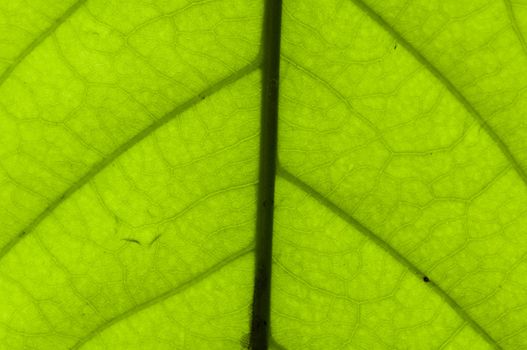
447,83
260,323
162,297
514,24
43,36
101,165
292,179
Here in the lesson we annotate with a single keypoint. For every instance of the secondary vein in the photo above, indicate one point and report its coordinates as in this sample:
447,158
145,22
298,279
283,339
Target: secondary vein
385,246
43,36
162,297
103,163
448,85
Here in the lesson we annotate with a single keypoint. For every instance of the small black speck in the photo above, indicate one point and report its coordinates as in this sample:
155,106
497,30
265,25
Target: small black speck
395,46
426,279
131,240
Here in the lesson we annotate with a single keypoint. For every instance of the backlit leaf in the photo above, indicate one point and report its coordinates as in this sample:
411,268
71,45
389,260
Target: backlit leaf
137,173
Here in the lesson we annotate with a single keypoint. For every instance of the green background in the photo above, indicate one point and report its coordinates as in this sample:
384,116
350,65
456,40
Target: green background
129,145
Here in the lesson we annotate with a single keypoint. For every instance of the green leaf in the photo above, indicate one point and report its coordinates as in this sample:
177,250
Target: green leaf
138,174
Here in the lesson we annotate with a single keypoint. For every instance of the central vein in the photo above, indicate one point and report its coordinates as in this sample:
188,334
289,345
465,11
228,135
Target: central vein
260,325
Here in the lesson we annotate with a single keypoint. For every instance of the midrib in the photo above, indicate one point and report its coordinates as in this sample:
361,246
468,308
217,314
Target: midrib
260,323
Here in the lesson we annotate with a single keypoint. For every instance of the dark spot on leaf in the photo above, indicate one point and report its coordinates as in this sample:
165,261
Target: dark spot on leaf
395,47
131,240
426,279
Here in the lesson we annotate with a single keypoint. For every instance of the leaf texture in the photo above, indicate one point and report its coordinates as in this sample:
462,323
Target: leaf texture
131,147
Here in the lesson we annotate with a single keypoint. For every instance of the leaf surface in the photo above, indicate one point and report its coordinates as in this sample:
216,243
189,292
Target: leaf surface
131,140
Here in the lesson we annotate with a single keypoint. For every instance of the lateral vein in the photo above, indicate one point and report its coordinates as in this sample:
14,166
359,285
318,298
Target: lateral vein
43,36
162,297
123,148
297,182
448,85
